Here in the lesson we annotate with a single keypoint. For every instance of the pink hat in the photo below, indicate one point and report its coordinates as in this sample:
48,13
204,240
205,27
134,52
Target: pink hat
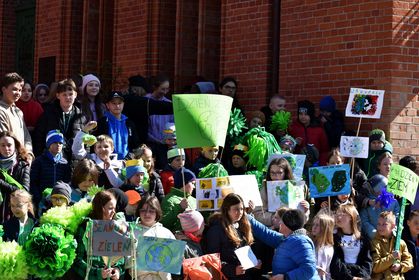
191,220
87,79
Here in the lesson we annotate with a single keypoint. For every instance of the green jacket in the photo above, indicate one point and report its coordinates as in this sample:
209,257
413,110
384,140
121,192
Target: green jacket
171,208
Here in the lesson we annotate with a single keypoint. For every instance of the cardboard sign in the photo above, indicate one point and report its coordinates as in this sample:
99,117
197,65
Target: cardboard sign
329,180
354,147
296,162
160,254
365,103
403,182
110,238
210,192
201,119
284,194
246,257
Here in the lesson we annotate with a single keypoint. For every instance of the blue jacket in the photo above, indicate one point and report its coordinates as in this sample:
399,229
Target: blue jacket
294,255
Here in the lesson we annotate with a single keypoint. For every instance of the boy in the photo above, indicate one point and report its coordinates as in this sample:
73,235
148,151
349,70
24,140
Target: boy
11,117
61,194
276,103
135,173
378,146
387,263
332,121
134,199
238,162
115,124
175,161
208,155
410,236
49,167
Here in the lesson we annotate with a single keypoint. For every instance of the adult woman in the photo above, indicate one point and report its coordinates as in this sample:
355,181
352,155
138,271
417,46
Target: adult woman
149,213
14,164
229,230
103,204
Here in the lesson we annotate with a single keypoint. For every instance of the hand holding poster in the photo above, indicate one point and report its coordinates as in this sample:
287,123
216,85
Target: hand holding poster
365,103
329,180
354,147
284,194
403,182
201,119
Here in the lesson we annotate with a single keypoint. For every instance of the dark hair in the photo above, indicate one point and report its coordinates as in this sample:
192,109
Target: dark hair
98,202
84,168
227,80
282,163
408,162
64,85
159,80
153,203
19,148
85,104
29,83
11,78
293,219
413,214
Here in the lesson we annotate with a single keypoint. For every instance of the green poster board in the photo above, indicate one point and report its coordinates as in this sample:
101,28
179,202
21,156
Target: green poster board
403,182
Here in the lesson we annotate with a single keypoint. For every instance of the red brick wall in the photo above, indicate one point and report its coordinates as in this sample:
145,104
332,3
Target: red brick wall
7,37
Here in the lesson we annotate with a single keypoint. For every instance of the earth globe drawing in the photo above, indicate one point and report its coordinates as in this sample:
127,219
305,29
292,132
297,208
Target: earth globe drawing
158,257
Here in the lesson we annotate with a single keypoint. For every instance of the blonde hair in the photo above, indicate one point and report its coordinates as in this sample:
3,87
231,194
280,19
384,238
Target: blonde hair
353,213
23,197
105,139
388,216
327,224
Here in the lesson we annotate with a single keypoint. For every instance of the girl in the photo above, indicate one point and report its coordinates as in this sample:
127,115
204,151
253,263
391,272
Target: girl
14,171
85,176
103,208
352,256
322,236
91,105
31,109
229,230
149,213
21,224
41,94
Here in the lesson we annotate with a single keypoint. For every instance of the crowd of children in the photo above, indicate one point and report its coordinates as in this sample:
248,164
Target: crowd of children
124,160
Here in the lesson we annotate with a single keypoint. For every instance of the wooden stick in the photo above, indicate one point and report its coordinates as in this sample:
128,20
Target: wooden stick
353,159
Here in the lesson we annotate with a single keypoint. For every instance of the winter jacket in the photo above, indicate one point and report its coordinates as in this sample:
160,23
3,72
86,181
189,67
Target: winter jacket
201,163
167,179
155,186
32,110
369,217
343,271
21,173
171,208
45,173
382,255
12,229
414,252
370,164
334,127
294,255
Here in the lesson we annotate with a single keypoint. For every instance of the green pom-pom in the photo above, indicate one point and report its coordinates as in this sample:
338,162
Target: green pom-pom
213,170
88,139
260,176
47,192
1,232
281,120
80,210
13,265
50,252
93,190
235,126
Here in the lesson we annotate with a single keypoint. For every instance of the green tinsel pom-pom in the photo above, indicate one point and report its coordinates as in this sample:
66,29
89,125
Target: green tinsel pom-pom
213,170
259,176
80,210
1,232
13,265
235,126
93,190
50,252
281,120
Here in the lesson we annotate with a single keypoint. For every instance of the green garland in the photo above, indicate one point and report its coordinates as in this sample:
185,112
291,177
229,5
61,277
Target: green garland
281,120
50,252
13,265
211,170
235,126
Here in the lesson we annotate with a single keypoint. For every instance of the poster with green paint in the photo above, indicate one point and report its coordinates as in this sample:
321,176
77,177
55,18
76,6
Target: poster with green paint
201,119
329,180
403,182
285,193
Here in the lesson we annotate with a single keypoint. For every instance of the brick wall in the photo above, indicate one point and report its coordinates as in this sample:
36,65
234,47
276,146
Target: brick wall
7,37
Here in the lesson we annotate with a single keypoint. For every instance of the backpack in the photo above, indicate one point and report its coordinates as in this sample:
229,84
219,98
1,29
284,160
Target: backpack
205,267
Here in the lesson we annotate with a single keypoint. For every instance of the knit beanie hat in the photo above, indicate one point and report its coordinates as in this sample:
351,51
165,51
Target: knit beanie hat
191,221
133,167
177,177
307,107
293,219
289,141
239,150
87,79
377,134
175,152
378,182
62,189
54,136
138,81
327,104
133,197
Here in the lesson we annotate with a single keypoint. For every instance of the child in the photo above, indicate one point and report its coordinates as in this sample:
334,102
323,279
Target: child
287,144
134,199
31,109
85,176
378,146
160,151
276,103
332,121
21,224
411,237
106,161
256,119
175,160
322,235
134,176
389,264
208,155
192,223
49,167
60,196
91,105
118,126
238,163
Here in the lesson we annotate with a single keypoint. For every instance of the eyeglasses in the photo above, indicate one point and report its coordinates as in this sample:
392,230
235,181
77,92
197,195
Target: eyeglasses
58,199
149,211
276,173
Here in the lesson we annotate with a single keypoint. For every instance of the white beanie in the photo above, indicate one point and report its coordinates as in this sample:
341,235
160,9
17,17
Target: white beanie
191,220
87,79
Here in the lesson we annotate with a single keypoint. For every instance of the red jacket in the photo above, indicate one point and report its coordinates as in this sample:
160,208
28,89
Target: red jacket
311,135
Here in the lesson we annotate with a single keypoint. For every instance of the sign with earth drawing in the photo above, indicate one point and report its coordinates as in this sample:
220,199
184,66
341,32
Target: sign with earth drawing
160,254
365,103
354,147
329,180
285,193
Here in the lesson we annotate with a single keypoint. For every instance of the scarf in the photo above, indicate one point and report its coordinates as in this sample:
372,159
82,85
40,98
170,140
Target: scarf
8,163
119,134
56,159
192,237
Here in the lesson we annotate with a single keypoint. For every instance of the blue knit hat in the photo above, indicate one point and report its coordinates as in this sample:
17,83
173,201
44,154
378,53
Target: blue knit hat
54,136
189,176
133,167
327,104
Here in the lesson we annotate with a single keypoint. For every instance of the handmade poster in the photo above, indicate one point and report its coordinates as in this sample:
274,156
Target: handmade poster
160,254
110,238
354,147
296,162
329,180
201,119
210,192
365,103
403,182
246,257
284,194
